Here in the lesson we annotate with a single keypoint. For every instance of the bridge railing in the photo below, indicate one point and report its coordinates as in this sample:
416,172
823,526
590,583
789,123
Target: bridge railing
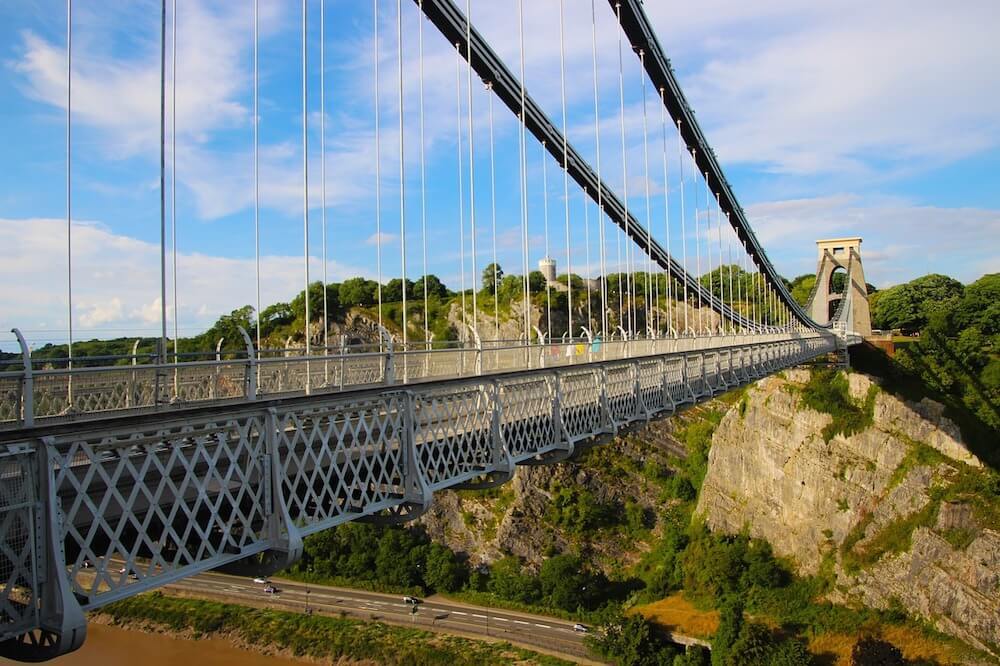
135,383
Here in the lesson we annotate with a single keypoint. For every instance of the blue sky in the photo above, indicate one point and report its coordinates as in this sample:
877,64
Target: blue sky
830,119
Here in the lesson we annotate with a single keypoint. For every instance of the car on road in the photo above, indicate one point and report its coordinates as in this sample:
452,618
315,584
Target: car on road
411,600
261,581
580,628
270,589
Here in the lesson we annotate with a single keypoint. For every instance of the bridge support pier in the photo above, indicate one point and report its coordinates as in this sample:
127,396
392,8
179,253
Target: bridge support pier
61,625
284,537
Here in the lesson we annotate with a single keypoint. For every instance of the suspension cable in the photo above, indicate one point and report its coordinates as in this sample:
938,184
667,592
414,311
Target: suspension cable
649,213
621,98
708,243
322,178
666,213
173,179
162,354
565,166
548,257
256,171
461,176
69,179
305,177
493,217
402,171
684,242
697,245
472,163
423,173
586,240
378,175
722,285
600,202
523,164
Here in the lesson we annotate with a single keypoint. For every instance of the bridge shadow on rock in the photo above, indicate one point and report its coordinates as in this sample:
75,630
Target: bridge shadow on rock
978,435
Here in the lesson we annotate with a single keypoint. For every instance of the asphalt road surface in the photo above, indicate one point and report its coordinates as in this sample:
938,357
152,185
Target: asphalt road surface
546,633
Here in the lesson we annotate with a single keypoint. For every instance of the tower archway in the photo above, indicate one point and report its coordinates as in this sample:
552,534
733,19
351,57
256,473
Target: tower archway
841,257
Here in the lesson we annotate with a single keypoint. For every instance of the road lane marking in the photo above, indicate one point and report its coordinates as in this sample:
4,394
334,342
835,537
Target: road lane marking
459,613
522,622
501,619
543,626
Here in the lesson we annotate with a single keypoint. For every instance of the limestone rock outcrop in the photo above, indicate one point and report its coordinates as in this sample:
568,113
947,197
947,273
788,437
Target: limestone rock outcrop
875,502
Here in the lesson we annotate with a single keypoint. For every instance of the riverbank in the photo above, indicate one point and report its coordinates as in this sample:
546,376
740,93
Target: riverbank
309,637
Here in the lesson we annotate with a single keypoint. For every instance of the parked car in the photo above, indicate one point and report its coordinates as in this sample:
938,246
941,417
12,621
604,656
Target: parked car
581,628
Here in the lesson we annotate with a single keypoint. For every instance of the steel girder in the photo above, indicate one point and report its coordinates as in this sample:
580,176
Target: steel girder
103,510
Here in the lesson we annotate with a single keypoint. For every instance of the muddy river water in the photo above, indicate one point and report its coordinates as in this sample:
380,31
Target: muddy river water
112,646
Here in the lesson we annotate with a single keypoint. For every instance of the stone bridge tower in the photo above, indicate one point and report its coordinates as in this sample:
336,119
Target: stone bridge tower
825,304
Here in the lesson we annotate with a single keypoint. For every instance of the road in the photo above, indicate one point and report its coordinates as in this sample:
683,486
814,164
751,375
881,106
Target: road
536,632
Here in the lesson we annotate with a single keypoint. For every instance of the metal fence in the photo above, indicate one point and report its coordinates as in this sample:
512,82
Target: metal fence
62,391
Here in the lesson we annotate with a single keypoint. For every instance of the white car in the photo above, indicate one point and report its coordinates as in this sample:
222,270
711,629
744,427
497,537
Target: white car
411,600
261,581
581,628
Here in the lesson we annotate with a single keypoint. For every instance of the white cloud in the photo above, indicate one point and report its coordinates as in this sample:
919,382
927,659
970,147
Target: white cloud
382,238
116,281
901,240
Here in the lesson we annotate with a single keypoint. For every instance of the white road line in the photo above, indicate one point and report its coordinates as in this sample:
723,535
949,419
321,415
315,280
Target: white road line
501,619
522,622
459,613
543,626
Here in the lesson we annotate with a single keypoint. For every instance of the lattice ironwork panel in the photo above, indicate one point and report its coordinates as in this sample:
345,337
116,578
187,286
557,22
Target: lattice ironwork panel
712,371
453,434
18,574
526,425
651,374
10,398
200,383
580,403
341,460
674,371
622,399
696,380
141,505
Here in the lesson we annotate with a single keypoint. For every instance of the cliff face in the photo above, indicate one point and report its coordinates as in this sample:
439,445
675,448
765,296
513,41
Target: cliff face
900,509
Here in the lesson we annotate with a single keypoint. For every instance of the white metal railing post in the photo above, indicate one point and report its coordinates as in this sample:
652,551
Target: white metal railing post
215,376
251,379
132,395
27,382
389,369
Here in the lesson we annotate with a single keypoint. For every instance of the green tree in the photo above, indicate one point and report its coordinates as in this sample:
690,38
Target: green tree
393,291
358,291
508,581
632,640
298,304
908,306
563,582
802,287
492,275
435,288
442,570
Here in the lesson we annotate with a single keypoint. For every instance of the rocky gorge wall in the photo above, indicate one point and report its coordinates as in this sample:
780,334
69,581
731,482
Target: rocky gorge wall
899,513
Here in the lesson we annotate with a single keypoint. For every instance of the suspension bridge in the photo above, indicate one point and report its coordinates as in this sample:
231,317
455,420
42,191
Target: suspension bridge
122,474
